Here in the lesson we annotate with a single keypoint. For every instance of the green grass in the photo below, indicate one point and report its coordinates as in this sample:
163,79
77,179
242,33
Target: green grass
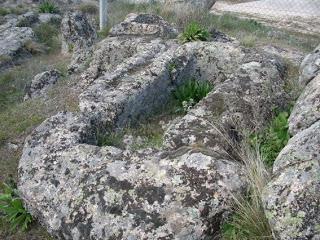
194,32
47,34
47,6
4,11
12,209
191,92
273,139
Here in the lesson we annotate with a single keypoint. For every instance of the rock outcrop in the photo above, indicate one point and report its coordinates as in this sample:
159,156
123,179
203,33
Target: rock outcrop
12,44
41,83
77,32
292,198
79,190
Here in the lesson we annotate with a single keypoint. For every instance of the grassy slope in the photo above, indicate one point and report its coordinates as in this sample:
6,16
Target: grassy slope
19,118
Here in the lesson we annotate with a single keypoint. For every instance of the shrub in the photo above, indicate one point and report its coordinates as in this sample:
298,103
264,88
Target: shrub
47,34
194,32
48,7
191,93
88,8
274,138
12,209
4,11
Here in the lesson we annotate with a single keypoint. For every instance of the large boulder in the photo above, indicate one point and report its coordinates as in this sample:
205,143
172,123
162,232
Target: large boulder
310,67
41,83
307,108
292,198
79,190
13,44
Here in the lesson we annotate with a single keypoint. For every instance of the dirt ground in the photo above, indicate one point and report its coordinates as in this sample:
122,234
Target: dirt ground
297,15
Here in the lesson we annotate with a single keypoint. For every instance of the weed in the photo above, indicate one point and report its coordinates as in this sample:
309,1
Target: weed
194,32
47,34
192,92
4,11
88,8
274,138
12,209
249,221
48,7
104,33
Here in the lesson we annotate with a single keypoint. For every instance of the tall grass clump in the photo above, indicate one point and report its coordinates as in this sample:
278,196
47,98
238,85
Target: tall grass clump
12,209
249,221
273,139
47,34
48,7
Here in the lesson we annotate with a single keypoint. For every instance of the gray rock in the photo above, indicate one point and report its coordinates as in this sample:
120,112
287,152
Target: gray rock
144,25
41,83
77,32
310,67
28,19
307,108
81,191
12,44
49,18
292,198
90,192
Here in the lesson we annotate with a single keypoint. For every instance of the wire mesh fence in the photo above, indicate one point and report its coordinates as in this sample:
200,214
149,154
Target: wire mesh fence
277,8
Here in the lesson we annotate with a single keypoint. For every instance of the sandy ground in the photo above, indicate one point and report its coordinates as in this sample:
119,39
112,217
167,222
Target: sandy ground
298,15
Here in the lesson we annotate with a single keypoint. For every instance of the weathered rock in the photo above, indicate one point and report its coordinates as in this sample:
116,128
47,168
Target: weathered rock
81,191
242,102
310,67
28,19
307,108
12,44
41,83
292,198
90,192
77,33
49,18
144,25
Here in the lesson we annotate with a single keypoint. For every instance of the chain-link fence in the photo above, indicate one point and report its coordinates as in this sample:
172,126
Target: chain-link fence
278,8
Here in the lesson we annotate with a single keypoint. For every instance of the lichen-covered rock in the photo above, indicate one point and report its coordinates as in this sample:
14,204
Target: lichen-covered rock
77,32
49,18
81,191
41,83
28,19
307,108
144,25
310,67
12,43
242,102
292,198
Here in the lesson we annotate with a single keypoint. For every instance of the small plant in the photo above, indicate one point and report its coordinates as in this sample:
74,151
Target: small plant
48,7
191,93
12,209
274,138
194,32
4,11
249,221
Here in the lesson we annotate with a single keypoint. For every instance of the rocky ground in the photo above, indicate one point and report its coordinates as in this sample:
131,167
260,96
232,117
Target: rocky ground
156,174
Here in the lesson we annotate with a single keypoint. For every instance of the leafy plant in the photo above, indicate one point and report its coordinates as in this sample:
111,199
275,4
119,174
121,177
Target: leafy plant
191,92
48,7
12,209
194,32
274,138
